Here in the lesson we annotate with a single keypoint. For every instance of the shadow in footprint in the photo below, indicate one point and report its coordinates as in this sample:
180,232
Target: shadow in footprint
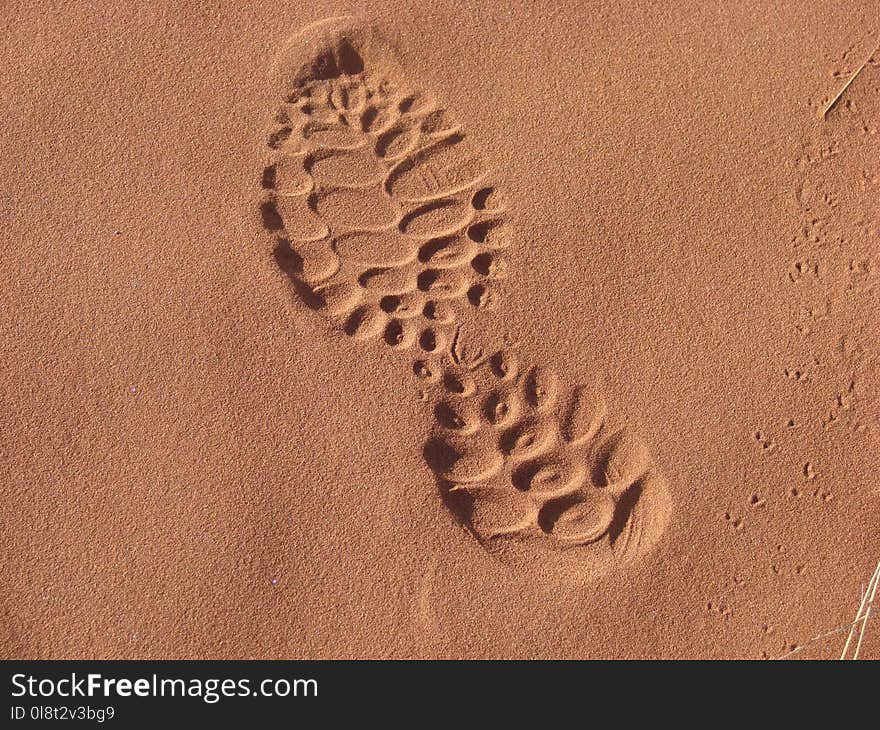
624,509
291,264
439,457
553,510
271,219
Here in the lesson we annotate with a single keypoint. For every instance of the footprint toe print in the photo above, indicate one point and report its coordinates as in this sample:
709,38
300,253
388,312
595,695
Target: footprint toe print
386,219
383,203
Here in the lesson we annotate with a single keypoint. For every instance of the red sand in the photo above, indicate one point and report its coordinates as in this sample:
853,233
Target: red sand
208,453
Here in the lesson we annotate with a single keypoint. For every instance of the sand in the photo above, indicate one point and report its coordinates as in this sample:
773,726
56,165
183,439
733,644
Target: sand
469,330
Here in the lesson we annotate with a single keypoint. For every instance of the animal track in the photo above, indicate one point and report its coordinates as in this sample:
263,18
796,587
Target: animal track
386,222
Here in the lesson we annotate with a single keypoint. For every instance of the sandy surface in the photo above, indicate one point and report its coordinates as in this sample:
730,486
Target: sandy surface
199,460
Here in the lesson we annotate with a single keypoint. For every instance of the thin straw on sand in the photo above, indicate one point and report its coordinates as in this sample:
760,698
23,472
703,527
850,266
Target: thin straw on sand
863,615
865,611
847,84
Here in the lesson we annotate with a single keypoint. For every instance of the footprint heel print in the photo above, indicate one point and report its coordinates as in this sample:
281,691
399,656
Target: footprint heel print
527,462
